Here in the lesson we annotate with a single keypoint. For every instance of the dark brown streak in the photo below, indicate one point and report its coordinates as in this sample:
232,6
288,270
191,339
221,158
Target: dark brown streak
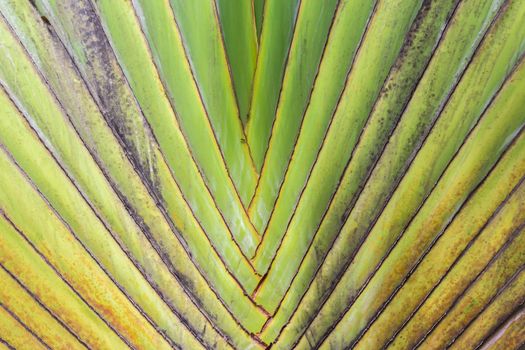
407,225
216,13
158,203
24,237
424,254
156,142
516,313
68,227
502,249
39,302
465,250
140,224
164,90
215,139
397,182
265,325
489,302
13,315
84,196
298,13
305,109
182,193
9,346
336,107
361,187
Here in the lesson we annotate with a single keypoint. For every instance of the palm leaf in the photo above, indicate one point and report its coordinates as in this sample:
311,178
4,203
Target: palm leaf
252,174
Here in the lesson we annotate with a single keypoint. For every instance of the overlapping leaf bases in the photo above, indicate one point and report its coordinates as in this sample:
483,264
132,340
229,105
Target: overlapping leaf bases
237,174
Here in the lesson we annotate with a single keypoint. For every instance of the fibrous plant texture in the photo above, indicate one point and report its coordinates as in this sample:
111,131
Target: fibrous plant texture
251,174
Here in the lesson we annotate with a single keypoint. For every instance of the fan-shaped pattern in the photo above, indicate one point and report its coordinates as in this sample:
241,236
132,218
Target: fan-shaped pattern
270,173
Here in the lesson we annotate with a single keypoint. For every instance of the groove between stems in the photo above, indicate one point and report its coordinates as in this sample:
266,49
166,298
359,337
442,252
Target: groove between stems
29,330
408,163
264,229
415,214
300,6
324,140
198,88
152,193
24,237
369,172
42,305
145,182
454,263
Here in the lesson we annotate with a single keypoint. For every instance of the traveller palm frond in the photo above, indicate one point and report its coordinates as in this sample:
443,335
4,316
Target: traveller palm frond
257,174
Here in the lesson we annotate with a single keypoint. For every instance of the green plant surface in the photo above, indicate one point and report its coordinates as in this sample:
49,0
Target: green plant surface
349,117
418,116
200,30
98,137
21,303
174,68
451,191
15,334
315,105
443,255
262,174
280,18
508,299
407,66
32,270
239,33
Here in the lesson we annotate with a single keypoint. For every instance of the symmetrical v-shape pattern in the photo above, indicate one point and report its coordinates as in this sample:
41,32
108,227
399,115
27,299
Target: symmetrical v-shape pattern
245,174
